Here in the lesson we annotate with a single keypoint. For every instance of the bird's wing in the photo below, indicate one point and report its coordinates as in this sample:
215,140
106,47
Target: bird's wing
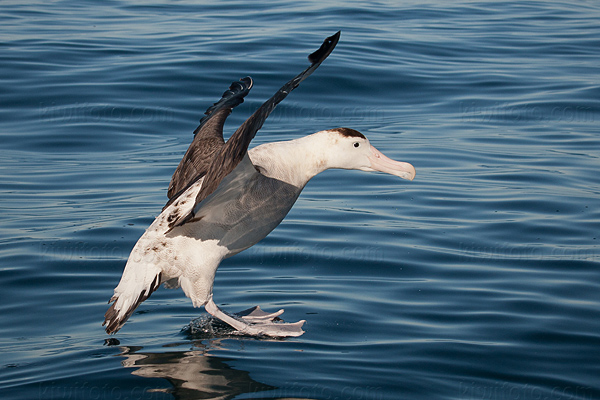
236,147
208,139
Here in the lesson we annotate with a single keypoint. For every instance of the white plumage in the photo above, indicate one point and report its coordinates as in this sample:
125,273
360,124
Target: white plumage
224,199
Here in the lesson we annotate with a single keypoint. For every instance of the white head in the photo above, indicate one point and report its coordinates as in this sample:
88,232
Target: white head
350,149
297,161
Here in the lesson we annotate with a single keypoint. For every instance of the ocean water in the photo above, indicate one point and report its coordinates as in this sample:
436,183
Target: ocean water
478,280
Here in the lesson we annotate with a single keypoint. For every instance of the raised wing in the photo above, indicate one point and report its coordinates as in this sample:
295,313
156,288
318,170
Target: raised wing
236,147
208,139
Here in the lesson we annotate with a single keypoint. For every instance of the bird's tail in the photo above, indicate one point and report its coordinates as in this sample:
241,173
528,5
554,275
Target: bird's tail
129,294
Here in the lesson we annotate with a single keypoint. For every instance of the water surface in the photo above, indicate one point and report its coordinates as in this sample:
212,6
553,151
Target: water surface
478,280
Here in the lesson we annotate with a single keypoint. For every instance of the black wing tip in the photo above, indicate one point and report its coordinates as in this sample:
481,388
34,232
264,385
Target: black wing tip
240,87
325,49
231,98
112,322
247,81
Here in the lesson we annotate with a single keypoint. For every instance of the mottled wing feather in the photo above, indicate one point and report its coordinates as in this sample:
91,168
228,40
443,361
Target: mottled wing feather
236,147
208,139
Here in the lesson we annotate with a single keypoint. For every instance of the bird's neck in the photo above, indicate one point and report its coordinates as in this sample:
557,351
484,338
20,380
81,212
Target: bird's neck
294,162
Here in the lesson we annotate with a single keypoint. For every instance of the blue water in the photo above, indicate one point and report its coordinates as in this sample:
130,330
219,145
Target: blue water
478,280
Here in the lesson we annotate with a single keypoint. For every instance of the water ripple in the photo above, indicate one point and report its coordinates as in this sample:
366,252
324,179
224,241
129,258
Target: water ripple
479,279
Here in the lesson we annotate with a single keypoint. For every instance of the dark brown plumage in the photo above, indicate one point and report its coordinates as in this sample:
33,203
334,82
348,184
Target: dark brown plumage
208,139
347,132
221,158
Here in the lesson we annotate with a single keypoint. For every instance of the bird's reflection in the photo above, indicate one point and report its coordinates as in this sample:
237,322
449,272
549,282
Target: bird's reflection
194,374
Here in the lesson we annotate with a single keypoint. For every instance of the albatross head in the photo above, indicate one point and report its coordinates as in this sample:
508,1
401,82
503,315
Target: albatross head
352,150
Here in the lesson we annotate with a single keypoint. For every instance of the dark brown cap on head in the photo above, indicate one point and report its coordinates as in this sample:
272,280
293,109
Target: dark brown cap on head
349,132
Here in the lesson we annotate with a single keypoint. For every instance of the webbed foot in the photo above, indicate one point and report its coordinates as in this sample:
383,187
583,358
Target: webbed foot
256,322
256,314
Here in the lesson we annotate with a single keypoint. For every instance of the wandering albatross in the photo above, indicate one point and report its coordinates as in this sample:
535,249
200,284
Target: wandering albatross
224,198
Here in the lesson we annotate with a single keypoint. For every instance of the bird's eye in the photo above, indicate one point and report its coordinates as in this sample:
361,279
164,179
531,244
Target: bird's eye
356,144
